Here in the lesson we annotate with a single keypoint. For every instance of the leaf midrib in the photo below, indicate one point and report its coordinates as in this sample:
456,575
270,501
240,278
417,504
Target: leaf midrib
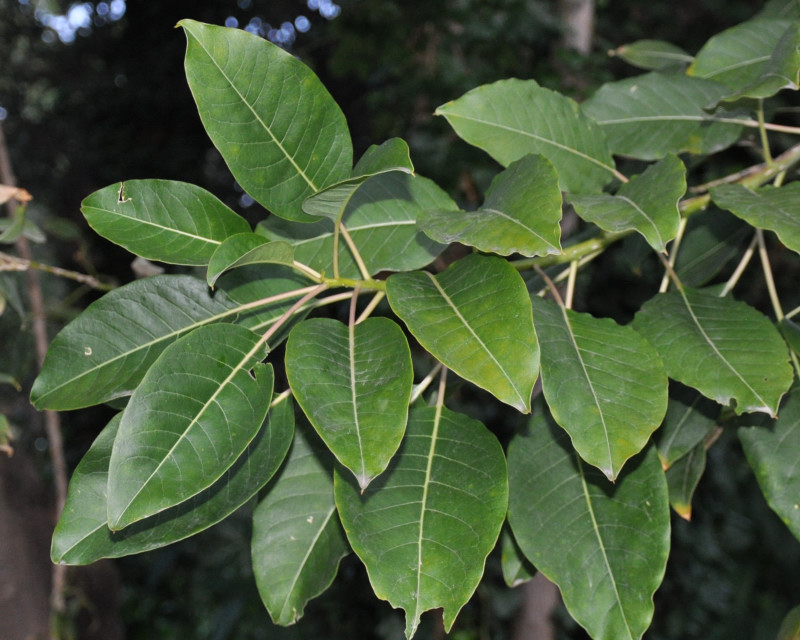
156,225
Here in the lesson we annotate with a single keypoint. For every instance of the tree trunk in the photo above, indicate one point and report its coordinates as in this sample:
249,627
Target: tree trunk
539,598
577,17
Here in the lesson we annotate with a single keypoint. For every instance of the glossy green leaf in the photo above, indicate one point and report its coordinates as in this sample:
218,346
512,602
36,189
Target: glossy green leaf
722,347
277,127
162,220
520,214
476,318
604,545
604,383
194,413
517,569
82,535
690,417
298,540
354,384
683,477
768,207
244,249
647,203
104,353
512,118
782,70
774,454
381,218
655,55
424,528
654,114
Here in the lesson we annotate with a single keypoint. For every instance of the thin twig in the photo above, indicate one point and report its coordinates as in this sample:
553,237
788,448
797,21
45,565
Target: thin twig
16,263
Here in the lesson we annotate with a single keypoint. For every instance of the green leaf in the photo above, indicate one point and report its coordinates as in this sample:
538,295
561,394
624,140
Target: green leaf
791,333
683,477
82,535
6,378
381,218
14,228
604,383
354,384
774,454
517,569
194,413
475,317
647,203
690,417
640,122
424,528
780,9
298,540
655,55
512,118
105,351
604,545
768,207
162,220
790,626
520,214
782,71
724,348
247,248
278,129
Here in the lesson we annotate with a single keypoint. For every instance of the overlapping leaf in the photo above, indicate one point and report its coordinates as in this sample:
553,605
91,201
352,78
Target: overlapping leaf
280,132
690,417
724,348
247,248
517,569
604,545
604,383
381,218
298,540
653,55
512,118
82,535
647,203
683,477
476,318
768,207
162,220
354,384
193,414
424,528
104,353
657,113
520,214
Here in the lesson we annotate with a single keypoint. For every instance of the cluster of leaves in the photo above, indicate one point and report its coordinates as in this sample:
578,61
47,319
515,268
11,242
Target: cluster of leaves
418,491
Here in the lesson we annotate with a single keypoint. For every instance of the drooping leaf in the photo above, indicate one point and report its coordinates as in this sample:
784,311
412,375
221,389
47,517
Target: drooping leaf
277,127
162,220
690,417
424,528
653,55
298,540
517,569
647,203
774,454
476,318
193,414
768,207
247,248
683,477
604,383
520,214
381,218
604,545
353,383
104,353
82,535
722,347
512,118
654,114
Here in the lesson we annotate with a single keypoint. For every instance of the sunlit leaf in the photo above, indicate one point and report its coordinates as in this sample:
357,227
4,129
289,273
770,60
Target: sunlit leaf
604,383
280,132
298,540
354,384
690,417
683,477
105,352
424,527
605,545
512,118
82,535
476,318
247,248
722,347
520,214
162,220
193,414
655,55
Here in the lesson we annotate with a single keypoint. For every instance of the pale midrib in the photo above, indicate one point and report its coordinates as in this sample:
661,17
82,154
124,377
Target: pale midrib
600,543
366,227
156,225
474,335
664,118
744,63
505,216
354,397
645,216
260,121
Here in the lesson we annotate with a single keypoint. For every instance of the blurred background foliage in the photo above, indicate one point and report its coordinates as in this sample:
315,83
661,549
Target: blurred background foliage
94,92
